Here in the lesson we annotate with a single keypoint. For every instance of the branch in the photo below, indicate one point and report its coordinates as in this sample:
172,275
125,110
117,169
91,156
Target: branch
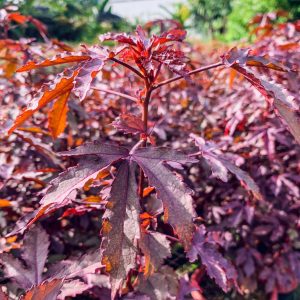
115,93
199,70
144,141
128,67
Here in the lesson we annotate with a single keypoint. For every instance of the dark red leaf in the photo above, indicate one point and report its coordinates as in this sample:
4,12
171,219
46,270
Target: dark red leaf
129,124
218,268
121,227
175,195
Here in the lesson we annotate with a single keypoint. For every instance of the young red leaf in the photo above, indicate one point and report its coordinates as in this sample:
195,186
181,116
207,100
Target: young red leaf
175,195
216,265
58,115
219,164
62,85
47,290
129,124
77,79
57,60
121,227
156,248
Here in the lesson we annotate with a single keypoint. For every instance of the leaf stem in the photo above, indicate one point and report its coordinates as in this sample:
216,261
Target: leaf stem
134,70
115,93
198,70
144,143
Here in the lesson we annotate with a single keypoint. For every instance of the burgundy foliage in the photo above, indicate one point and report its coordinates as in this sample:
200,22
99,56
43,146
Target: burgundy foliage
122,164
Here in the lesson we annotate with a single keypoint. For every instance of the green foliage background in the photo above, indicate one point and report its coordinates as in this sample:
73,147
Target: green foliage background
71,20
227,20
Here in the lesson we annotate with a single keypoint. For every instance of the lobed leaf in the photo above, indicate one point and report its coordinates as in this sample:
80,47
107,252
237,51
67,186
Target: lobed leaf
98,148
48,290
62,85
57,60
218,268
76,266
175,195
73,288
58,115
129,124
13,268
156,248
219,164
244,57
63,189
86,74
78,79
121,227
160,285
36,244
286,105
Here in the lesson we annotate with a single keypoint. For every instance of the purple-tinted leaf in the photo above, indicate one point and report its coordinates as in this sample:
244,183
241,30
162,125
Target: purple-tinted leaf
129,124
219,164
73,288
63,189
218,268
156,248
161,285
286,105
176,197
121,227
243,57
88,71
13,268
98,148
76,267
48,290
36,244
185,288
262,230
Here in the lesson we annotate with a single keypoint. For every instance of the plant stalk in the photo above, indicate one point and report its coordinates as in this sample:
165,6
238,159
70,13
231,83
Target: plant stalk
198,70
144,143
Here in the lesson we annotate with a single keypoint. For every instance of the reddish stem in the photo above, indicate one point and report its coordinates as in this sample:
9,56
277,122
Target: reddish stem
134,70
115,93
144,144
199,70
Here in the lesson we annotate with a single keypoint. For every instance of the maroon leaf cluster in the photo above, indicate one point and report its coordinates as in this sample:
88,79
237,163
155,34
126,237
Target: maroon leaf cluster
162,137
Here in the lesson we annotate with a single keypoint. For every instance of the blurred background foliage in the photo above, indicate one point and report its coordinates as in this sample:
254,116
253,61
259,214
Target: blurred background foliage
83,20
70,20
228,20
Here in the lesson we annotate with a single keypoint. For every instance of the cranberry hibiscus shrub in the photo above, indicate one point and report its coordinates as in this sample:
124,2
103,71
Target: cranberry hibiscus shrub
147,181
